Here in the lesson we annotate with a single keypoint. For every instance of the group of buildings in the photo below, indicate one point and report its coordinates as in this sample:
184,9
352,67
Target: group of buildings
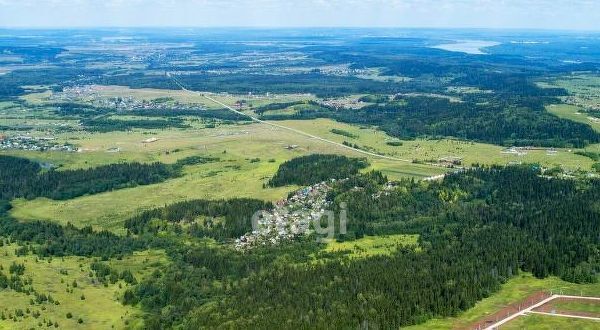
288,219
92,95
31,143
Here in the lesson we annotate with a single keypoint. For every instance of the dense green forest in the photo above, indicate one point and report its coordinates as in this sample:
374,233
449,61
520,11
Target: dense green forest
50,239
222,114
507,110
316,168
343,133
11,84
20,177
476,228
276,106
495,121
223,219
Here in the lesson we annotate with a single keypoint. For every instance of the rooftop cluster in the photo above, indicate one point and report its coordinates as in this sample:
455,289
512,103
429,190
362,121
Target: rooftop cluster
290,218
26,142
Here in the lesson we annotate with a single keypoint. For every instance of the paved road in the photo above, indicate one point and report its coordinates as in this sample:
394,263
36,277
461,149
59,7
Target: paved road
206,96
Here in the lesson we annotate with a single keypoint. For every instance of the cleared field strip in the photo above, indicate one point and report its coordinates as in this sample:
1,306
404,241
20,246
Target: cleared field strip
521,312
567,315
530,310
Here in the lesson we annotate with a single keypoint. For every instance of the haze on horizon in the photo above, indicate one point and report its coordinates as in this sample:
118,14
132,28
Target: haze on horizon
513,14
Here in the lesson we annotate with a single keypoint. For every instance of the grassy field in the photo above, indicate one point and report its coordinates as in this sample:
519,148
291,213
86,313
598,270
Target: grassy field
546,322
372,245
422,150
109,210
585,95
36,98
583,89
513,291
370,139
577,306
574,113
235,175
236,144
249,155
100,307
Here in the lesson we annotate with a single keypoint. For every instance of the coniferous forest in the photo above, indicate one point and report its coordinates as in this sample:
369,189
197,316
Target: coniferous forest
499,120
20,177
476,228
312,169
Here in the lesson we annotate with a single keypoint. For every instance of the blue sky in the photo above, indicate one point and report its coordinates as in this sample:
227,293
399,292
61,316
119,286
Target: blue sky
543,14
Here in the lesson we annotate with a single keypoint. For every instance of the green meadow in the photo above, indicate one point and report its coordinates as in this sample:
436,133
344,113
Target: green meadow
76,294
578,306
250,154
547,322
372,245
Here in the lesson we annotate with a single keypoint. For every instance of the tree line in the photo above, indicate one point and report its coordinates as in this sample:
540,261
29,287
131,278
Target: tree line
21,177
219,219
494,121
104,125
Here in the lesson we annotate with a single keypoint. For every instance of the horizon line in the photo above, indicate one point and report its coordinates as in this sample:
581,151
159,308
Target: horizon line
296,27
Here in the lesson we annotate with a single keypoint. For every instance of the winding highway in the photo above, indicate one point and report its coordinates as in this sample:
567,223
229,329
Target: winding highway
205,95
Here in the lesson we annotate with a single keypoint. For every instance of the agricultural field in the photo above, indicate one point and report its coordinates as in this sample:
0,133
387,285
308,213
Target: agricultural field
249,153
431,151
238,174
369,138
225,179
94,93
591,307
